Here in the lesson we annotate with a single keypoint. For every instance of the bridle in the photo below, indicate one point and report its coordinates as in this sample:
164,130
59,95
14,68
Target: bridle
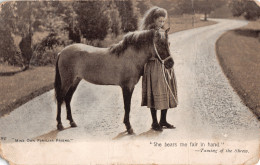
159,57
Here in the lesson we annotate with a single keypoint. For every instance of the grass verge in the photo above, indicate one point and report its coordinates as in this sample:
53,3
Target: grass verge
23,86
238,54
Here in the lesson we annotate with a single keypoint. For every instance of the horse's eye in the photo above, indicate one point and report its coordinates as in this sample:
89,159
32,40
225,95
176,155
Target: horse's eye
169,43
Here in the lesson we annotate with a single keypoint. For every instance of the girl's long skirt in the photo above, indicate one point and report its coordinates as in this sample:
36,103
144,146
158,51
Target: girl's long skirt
155,92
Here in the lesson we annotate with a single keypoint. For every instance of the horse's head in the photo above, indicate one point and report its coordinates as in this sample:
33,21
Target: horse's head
161,47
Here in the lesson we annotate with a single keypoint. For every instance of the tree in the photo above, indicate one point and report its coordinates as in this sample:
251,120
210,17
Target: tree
23,18
237,7
199,6
7,46
143,6
26,19
66,10
129,14
63,22
248,8
114,18
8,50
92,20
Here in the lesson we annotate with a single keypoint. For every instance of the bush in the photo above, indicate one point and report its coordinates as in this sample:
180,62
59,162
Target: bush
47,57
46,51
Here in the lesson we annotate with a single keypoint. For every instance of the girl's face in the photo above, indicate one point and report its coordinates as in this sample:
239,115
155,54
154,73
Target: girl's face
159,22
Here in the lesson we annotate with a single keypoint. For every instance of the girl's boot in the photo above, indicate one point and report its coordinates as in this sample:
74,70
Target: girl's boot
155,125
163,122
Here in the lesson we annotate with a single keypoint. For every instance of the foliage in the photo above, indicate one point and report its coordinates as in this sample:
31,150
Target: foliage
92,20
47,50
237,7
21,18
55,24
129,15
249,9
199,6
24,18
114,18
68,15
8,50
143,6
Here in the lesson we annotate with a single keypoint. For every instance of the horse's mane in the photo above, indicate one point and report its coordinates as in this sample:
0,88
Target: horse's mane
137,40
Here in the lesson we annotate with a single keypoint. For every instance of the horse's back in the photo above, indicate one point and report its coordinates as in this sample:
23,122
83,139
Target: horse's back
87,49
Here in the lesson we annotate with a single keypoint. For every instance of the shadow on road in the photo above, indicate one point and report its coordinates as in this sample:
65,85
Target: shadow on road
150,133
50,135
122,135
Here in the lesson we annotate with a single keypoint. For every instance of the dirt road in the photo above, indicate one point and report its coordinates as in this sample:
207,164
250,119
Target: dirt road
209,109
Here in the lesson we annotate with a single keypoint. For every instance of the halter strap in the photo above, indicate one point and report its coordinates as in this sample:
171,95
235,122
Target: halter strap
159,57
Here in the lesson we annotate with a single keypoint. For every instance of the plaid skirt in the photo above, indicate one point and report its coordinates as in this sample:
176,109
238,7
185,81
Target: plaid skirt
155,92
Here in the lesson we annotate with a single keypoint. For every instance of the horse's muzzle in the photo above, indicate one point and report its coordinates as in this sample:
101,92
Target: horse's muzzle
169,63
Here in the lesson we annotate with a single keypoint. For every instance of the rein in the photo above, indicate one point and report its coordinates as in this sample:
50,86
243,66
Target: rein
163,70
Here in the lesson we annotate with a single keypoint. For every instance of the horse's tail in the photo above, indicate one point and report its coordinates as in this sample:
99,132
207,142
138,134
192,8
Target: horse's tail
57,83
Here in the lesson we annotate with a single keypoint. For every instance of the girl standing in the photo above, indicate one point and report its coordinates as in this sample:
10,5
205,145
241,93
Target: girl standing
156,95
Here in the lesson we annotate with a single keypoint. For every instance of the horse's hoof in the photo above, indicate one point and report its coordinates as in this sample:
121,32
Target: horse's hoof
130,131
60,127
73,124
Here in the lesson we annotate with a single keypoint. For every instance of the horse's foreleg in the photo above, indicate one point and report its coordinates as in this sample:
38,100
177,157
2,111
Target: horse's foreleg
59,126
127,95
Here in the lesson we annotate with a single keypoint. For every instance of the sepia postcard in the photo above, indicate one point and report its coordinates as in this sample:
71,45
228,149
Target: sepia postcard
130,82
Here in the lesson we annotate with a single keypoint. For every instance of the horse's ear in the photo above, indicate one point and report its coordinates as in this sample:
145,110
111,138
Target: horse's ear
167,30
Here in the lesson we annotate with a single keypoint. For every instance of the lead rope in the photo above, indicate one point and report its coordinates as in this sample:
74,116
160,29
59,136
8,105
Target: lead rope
164,72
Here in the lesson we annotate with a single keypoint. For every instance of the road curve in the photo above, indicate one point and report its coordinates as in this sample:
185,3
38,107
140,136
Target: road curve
208,107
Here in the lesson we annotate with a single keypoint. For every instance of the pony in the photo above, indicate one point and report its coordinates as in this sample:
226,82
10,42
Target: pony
121,64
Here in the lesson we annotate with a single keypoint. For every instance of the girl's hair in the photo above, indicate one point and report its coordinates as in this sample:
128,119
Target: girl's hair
148,22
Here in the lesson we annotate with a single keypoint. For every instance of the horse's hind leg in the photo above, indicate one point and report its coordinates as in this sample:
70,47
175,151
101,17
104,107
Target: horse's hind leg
59,125
127,94
68,98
